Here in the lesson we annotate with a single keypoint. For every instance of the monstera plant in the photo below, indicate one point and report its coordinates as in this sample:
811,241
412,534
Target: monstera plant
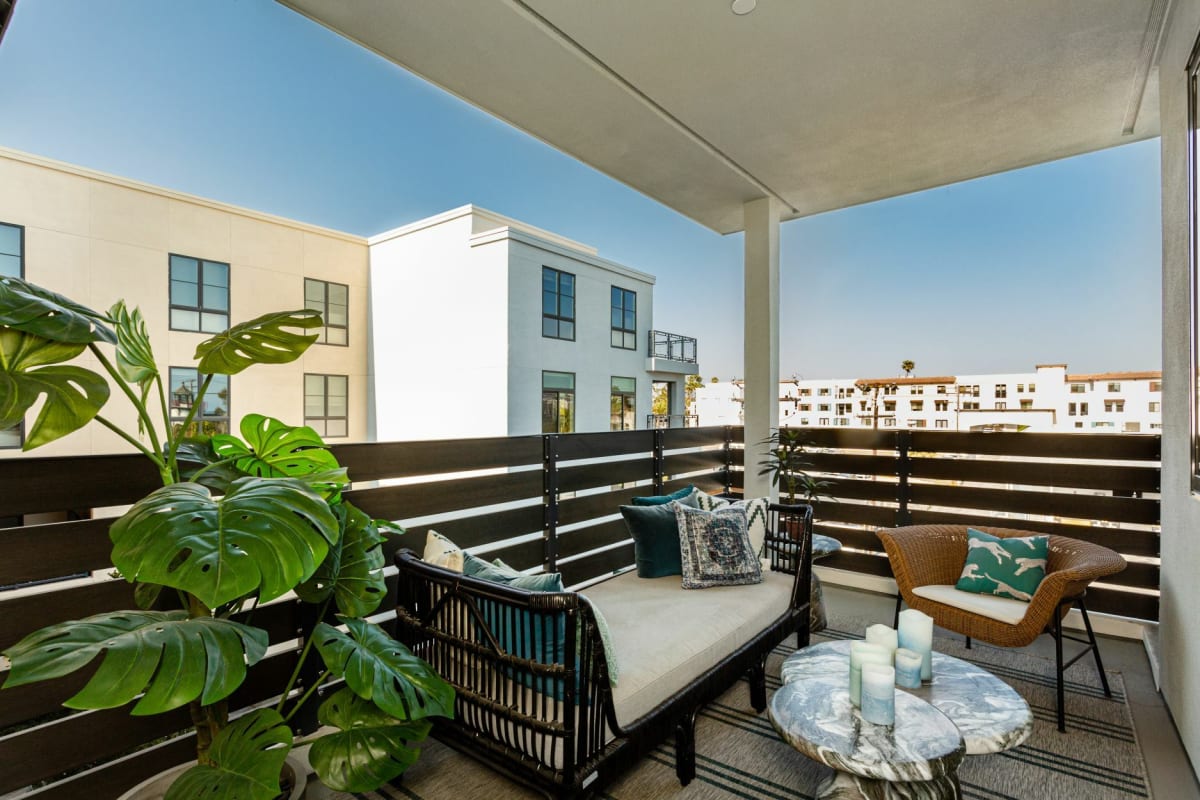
238,521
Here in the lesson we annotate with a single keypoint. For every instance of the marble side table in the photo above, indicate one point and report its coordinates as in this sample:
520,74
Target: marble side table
919,756
822,547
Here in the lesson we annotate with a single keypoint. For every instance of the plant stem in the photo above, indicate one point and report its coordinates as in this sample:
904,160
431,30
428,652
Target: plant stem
133,398
208,721
213,465
303,655
145,450
304,698
166,416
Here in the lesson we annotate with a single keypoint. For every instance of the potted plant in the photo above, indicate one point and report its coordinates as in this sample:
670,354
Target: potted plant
786,464
238,521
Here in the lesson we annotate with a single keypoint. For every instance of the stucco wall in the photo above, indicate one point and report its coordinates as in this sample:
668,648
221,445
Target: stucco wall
1180,509
98,238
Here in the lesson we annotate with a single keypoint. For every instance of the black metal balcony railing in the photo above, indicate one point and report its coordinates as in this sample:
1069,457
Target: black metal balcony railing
1101,488
672,421
672,346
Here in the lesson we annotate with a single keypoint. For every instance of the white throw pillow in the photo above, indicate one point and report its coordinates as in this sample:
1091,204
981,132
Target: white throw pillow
441,552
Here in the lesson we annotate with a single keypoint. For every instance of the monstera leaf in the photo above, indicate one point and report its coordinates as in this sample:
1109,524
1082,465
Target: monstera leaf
171,658
195,453
264,535
135,358
353,570
30,308
369,748
247,758
269,339
380,669
274,450
31,366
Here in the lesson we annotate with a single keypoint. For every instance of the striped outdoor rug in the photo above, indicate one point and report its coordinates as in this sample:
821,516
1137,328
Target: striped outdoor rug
739,755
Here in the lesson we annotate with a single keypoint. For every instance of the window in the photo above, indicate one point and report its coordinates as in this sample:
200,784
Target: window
1083,409
806,392
558,304
622,404
823,407
1032,387
1155,407
845,408
1001,390
889,390
889,422
624,319
806,406
1114,405
970,406
1078,388
1114,386
843,422
916,423
1078,424
1070,409
824,421
941,423
1000,405
889,405
917,390
823,391
941,405
213,414
199,295
333,301
325,404
558,402
1020,388
1156,386
1133,427
941,389
12,263
917,405
1026,405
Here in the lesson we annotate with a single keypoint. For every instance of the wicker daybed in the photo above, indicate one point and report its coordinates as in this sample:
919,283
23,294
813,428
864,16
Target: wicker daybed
556,723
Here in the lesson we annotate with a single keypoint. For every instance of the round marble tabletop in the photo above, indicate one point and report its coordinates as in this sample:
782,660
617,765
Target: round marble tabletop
988,713
815,716
824,545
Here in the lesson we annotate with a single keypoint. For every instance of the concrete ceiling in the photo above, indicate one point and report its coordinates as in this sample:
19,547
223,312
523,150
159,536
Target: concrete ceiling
821,104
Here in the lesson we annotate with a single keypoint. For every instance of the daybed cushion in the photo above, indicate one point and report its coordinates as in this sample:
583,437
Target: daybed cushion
667,638
986,605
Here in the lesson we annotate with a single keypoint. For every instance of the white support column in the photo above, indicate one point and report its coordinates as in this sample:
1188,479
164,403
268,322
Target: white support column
761,358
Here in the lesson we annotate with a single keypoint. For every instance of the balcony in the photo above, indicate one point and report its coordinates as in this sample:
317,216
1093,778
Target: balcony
509,500
672,420
672,353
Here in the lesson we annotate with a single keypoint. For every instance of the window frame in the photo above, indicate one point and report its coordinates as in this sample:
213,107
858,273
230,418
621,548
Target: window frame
558,317
325,323
614,394
626,334
199,308
20,255
558,401
326,417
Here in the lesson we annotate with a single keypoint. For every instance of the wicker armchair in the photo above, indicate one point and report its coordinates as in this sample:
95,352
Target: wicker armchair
925,555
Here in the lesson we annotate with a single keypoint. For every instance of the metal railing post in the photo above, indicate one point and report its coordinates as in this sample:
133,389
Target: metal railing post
728,458
550,499
658,460
903,491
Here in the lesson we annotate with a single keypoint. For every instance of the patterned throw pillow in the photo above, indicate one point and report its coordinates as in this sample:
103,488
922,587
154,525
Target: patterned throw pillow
441,552
715,548
1004,567
756,515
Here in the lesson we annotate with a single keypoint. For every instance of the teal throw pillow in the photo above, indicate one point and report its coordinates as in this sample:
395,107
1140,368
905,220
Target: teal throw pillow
1004,567
663,499
655,533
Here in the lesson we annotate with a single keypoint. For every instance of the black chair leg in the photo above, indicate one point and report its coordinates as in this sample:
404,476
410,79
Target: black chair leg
968,642
758,686
1058,669
685,748
1087,623
896,617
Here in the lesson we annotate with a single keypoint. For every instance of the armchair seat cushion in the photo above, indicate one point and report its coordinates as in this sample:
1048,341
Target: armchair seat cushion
1002,609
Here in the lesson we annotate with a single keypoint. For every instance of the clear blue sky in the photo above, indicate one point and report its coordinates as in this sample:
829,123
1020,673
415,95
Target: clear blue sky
246,102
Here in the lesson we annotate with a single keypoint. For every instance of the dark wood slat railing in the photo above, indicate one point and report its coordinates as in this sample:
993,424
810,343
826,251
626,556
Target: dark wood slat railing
509,497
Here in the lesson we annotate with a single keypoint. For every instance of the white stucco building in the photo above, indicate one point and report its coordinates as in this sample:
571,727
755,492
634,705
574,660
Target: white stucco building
1047,399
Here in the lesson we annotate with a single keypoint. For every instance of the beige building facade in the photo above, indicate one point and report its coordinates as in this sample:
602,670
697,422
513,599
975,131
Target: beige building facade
192,266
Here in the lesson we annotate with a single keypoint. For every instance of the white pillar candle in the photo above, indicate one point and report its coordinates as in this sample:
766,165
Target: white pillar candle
879,694
908,669
863,653
916,634
883,636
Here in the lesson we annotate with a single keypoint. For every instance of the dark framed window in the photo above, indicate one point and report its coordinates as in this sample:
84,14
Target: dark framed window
624,318
12,263
623,404
558,304
558,402
333,301
199,294
326,400
213,415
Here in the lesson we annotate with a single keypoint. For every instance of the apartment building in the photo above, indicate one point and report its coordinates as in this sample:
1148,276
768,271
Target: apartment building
1047,399
464,324
193,266
536,333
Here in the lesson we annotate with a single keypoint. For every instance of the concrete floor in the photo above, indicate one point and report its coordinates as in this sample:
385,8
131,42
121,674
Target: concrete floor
1171,774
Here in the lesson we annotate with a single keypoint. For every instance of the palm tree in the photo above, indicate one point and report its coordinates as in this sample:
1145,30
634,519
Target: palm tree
908,366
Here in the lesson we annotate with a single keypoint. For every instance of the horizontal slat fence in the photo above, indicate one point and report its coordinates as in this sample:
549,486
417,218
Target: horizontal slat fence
508,496
548,501
1101,488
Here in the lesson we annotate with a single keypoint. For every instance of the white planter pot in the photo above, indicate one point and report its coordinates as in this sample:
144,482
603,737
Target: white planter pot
155,787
